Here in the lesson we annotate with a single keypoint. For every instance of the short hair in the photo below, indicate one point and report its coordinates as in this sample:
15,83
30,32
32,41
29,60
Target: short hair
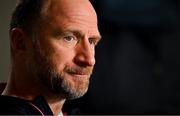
26,14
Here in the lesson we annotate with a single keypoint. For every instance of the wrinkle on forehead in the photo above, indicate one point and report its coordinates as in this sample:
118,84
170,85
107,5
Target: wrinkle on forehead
69,7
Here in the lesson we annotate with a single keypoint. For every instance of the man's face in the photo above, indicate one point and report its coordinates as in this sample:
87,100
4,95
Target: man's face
63,53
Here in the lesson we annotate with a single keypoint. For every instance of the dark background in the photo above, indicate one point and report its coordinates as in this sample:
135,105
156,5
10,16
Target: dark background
6,7
138,60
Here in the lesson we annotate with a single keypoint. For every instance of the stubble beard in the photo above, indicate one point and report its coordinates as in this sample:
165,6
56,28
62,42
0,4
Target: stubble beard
60,86
54,81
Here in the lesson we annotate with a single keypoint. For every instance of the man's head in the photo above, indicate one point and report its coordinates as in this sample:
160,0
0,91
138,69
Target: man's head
56,40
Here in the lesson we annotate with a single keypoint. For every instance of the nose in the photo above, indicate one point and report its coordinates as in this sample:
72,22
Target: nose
85,54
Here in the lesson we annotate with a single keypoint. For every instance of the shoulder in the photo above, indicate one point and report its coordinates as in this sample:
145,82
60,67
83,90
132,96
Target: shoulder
12,105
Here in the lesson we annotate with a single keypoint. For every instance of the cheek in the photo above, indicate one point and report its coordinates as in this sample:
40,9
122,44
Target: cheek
62,57
58,55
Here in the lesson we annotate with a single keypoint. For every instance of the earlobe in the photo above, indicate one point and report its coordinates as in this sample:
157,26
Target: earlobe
17,40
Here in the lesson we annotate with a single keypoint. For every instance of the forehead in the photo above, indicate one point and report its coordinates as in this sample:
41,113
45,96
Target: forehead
72,14
70,8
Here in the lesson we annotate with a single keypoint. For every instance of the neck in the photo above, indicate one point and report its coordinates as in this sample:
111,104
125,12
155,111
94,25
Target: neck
56,107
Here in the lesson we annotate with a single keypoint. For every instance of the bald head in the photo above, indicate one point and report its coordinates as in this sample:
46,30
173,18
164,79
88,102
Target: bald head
65,7
28,12
69,9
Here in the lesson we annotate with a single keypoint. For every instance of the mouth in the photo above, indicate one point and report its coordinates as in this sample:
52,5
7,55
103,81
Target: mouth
79,74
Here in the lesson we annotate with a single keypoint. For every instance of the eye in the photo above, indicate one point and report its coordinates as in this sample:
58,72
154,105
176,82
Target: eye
69,38
92,41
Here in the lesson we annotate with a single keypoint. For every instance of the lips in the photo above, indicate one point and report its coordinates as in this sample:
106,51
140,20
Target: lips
79,71
78,74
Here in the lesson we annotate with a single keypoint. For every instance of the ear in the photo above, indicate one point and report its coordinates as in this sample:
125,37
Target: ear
17,40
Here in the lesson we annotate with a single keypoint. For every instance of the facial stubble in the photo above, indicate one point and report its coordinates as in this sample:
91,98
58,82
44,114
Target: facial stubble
57,82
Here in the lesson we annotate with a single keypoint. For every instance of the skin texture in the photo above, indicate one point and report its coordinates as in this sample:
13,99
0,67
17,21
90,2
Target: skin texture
59,61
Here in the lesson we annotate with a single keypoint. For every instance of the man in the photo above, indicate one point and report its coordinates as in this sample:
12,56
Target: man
52,51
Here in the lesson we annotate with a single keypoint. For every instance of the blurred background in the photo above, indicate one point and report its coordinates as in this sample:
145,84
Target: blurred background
6,7
137,62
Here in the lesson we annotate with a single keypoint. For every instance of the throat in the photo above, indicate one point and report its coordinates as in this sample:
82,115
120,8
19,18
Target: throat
56,106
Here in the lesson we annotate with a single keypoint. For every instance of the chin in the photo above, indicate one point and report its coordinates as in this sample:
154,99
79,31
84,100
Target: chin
76,90
69,87
76,95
